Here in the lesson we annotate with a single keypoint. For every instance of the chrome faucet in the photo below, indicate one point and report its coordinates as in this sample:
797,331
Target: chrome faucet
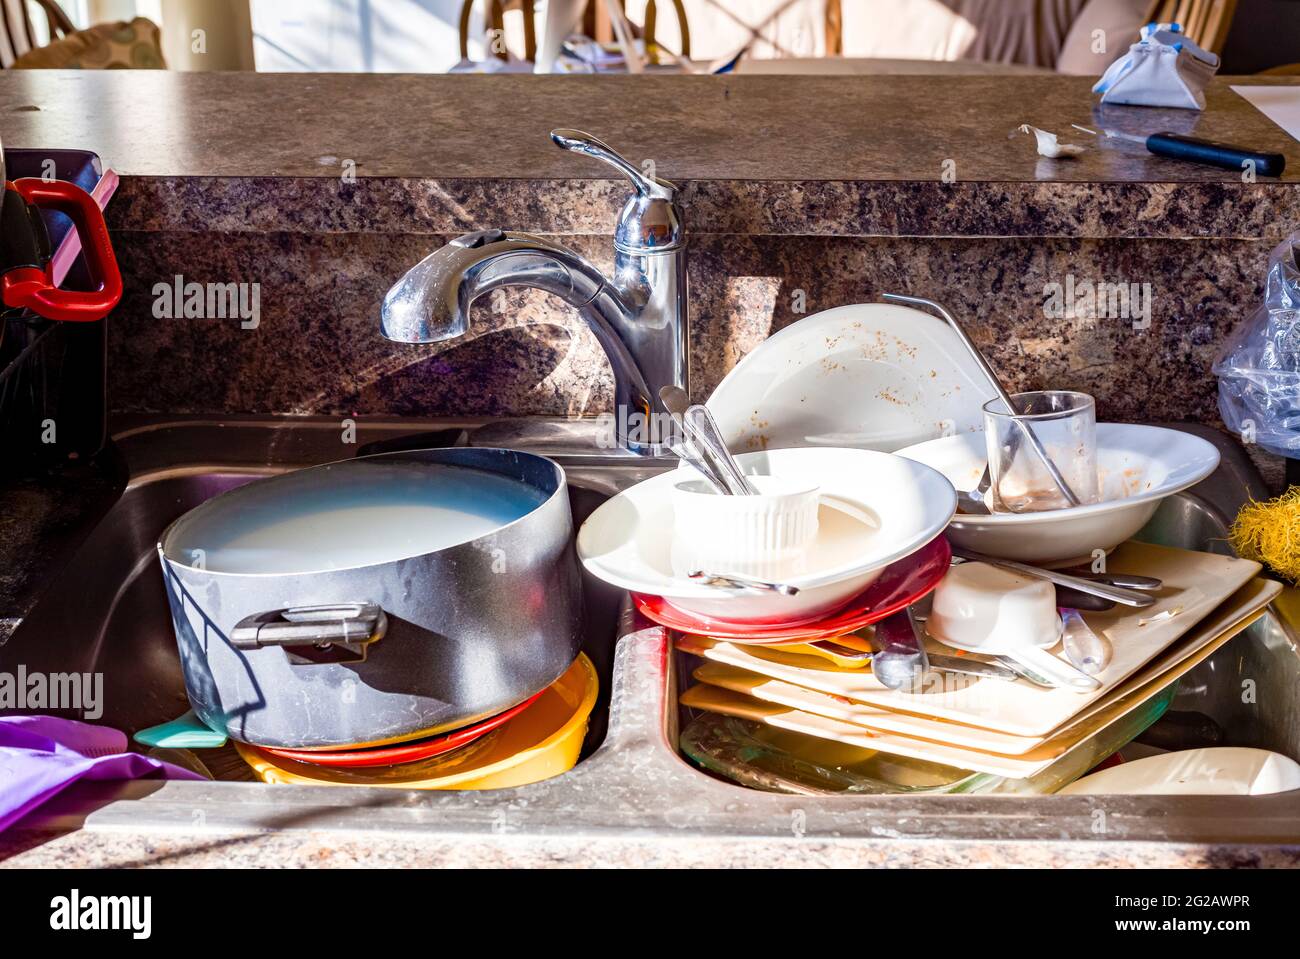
638,315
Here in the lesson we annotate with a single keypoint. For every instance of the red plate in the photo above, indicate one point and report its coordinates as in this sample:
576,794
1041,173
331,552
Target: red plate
403,752
901,584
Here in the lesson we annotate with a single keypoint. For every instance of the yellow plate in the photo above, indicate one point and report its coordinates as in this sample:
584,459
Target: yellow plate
541,742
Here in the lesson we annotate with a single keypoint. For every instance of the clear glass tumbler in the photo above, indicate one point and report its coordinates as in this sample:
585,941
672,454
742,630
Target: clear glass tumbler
1065,424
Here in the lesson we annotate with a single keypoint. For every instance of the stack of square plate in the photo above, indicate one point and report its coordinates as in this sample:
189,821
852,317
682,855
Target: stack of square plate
1010,729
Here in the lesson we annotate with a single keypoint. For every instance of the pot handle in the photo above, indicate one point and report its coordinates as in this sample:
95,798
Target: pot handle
33,288
331,633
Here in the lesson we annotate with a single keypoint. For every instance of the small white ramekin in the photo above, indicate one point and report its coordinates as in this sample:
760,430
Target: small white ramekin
762,536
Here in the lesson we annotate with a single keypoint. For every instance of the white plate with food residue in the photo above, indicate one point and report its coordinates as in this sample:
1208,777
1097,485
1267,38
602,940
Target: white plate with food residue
871,375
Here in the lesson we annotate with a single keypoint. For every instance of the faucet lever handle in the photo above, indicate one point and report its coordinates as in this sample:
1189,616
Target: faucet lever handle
646,186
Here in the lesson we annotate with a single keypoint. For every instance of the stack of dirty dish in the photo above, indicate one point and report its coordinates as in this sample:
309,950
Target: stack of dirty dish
361,622
536,740
971,732
864,520
805,708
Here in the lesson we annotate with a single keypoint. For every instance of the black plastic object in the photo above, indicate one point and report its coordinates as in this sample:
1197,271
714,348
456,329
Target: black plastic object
24,239
1179,147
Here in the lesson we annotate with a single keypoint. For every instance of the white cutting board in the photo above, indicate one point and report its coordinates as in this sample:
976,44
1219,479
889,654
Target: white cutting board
1195,584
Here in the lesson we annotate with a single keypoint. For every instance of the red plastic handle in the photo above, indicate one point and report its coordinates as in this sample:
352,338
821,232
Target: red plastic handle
34,289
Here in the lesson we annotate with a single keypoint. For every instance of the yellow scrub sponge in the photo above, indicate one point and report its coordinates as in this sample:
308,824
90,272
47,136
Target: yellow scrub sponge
1269,533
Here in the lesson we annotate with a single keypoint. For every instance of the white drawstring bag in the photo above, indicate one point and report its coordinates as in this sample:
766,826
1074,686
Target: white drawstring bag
1163,69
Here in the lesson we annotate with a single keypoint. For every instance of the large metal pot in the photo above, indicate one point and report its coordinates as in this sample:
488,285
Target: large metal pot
311,652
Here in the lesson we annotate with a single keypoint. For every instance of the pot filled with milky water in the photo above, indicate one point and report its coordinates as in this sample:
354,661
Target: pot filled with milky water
377,599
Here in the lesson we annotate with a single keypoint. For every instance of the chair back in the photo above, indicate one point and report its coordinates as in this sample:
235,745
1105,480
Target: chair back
496,26
1206,22
18,35
683,27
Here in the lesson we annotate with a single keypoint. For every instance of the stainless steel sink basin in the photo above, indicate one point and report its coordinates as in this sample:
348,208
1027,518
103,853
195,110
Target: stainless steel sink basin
120,602
633,798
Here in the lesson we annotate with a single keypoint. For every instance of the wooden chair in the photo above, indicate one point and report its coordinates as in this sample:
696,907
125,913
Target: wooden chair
596,23
496,10
834,28
1206,22
684,28
18,36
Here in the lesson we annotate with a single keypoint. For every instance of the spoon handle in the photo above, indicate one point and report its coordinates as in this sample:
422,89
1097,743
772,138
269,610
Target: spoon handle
1055,670
1129,597
704,428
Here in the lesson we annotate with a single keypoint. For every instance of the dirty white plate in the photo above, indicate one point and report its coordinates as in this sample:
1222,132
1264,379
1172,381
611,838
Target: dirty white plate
871,375
1137,466
901,506
1216,771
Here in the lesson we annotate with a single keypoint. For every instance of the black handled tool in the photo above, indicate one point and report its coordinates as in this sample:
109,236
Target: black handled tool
1176,146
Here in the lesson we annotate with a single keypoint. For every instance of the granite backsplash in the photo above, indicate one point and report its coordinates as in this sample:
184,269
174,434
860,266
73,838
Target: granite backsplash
323,260
324,249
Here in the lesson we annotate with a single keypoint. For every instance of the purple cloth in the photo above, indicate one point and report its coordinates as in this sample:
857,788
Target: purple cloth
41,755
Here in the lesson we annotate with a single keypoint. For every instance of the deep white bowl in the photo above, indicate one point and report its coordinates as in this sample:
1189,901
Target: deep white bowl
1138,466
627,541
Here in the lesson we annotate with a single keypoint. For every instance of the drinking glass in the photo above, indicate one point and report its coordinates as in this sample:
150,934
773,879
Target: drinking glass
1065,423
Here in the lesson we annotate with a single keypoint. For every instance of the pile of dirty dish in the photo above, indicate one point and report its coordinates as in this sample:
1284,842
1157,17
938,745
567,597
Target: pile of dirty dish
409,619
907,580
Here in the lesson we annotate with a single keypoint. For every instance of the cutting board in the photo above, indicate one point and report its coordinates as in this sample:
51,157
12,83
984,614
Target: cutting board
1176,663
1195,585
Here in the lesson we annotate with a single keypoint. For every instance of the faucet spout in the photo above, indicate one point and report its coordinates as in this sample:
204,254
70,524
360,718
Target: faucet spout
638,315
431,303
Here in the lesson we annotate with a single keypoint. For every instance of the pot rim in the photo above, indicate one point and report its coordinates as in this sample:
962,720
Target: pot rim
561,489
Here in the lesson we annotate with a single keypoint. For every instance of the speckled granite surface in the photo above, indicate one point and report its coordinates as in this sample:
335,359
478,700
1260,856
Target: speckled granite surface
318,348
727,128
796,208
323,850
839,203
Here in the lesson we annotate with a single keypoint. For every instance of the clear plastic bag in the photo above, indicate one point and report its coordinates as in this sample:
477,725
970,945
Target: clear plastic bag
1259,368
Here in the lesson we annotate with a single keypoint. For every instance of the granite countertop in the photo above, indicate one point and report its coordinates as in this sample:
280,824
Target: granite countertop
433,153
766,128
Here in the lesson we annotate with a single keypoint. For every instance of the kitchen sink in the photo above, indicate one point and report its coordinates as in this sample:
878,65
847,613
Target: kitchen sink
633,797
107,611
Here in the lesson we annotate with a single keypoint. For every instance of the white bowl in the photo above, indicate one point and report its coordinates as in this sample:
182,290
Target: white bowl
1138,466
900,505
987,609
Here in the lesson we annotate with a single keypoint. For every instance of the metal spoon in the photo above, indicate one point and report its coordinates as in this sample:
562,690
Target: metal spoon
1129,597
678,405
684,448
704,429
687,453
961,665
899,661
1127,580
992,377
